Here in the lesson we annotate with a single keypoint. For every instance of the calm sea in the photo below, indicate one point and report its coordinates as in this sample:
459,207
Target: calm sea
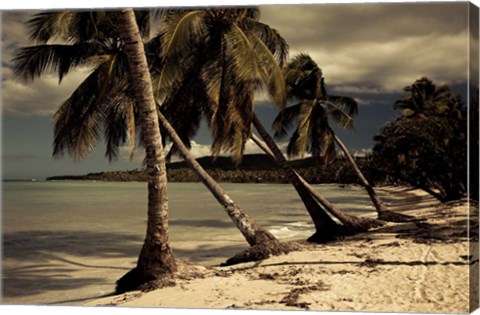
67,242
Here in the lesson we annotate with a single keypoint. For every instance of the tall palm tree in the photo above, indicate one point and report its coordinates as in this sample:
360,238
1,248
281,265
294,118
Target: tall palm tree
81,116
311,115
156,259
106,102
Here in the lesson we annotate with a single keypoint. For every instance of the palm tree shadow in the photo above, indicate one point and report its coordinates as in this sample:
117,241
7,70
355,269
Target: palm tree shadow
35,262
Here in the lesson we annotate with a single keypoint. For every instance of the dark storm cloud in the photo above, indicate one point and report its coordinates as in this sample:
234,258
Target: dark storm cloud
361,48
347,24
377,48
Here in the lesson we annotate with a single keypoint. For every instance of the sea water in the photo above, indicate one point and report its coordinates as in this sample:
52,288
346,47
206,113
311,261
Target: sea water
67,242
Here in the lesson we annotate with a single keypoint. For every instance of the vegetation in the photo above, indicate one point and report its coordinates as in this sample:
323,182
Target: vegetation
208,63
234,55
427,146
109,100
311,115
255,168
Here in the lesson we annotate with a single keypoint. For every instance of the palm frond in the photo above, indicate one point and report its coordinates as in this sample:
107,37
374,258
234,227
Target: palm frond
272,39
119,126
31,62
242,54
45,26
347,104
285,119
304,130
180,34
272,75
79,120
328,152
337,113
181,30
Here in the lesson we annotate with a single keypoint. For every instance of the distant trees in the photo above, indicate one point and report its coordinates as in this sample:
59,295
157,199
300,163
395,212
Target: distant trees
427,146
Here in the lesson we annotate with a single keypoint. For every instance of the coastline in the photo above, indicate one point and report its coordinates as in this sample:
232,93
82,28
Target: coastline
409,267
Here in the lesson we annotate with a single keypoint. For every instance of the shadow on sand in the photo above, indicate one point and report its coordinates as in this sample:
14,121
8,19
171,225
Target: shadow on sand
36,262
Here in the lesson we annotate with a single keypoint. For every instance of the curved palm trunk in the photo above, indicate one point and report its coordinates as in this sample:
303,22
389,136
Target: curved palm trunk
253,233
363,181
326,227
337,213
156,259
382,212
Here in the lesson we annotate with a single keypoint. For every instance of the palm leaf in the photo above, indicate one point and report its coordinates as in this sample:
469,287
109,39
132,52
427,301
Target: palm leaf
31,62
338,115
78,121
45,26
119,126
180,33
304,129
285,119
272,39
272,75
347,104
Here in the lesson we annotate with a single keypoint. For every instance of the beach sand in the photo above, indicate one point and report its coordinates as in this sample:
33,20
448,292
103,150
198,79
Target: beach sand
400,267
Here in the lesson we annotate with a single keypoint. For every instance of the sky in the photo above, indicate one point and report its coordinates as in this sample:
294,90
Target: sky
368,51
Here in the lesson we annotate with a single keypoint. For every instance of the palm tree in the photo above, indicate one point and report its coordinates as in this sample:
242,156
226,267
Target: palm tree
426,145
313,133
106,102
80,118
219,40
229,52
156,259
424,98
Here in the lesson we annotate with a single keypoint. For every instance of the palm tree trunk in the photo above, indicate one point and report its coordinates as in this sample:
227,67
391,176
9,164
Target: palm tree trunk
379,206
253,233
352,223
326,227
382,212
156,259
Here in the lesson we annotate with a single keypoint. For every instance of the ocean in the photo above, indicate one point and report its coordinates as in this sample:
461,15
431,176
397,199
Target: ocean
67,242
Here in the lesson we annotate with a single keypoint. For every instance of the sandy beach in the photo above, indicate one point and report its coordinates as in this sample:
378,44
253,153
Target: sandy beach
416,267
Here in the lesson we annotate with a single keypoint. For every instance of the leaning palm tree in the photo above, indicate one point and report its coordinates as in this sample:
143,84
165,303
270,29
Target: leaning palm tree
312,129
234,55
106,102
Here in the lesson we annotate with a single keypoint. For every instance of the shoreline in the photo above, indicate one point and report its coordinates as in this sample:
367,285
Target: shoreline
402,267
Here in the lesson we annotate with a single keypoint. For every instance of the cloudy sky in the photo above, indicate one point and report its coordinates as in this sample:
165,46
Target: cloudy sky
366,51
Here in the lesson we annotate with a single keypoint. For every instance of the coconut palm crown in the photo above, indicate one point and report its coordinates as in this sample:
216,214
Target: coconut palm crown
230,55
312,133
104,103
424,97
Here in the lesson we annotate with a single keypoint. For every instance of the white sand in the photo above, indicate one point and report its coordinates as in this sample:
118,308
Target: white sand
401,267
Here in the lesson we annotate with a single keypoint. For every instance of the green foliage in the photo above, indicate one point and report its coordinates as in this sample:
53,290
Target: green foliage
427,147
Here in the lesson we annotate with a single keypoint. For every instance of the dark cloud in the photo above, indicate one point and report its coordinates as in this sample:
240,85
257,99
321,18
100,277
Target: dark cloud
378,47
362,48
347,24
